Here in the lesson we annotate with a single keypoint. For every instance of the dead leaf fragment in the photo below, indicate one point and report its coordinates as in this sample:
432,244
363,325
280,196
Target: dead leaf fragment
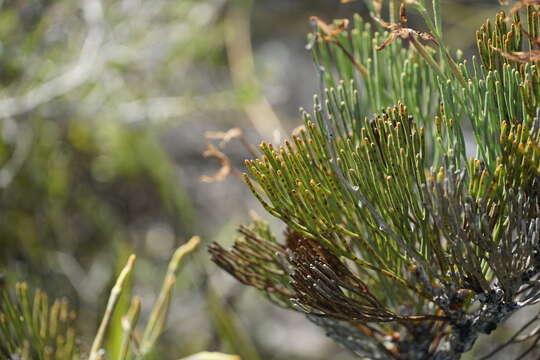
401,30
331,31
224,136
330,35
224,171
521,56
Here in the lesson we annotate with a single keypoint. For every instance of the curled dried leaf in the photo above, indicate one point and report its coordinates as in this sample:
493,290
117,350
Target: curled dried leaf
401,30
224,136
330,31
224,171
406,33
330,34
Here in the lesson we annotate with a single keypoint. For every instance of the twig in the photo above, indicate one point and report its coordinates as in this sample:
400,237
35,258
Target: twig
157,318
111,304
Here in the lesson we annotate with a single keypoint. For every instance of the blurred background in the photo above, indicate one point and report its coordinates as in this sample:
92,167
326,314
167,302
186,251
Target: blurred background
105,110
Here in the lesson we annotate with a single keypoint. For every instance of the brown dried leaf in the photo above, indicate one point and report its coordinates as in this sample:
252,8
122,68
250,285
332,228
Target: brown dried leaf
403,15
224,171
255,261
331,31
521,56
406,33
391,37
426,36
327,287
385,24
224,136
400,30
298,243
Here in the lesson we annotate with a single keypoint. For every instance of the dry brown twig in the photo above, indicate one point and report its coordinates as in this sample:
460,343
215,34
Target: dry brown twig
330,35
226,165
330,31
401,30
233,133
224,171
224,136
520,56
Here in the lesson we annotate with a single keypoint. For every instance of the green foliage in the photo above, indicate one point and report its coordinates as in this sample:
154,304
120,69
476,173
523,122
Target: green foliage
78,142
391,229
31,329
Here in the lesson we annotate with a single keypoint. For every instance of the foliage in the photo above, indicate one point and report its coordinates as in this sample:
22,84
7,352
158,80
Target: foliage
31,329
86,94
397,244
80,154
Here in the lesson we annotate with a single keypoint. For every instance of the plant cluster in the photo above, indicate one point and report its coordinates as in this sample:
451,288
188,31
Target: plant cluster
31,328
399,243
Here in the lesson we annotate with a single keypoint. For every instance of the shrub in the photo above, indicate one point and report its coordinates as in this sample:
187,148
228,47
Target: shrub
397,244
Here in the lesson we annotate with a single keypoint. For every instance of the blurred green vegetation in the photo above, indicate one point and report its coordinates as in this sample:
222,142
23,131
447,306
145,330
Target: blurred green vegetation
76,172
84,177
30,328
